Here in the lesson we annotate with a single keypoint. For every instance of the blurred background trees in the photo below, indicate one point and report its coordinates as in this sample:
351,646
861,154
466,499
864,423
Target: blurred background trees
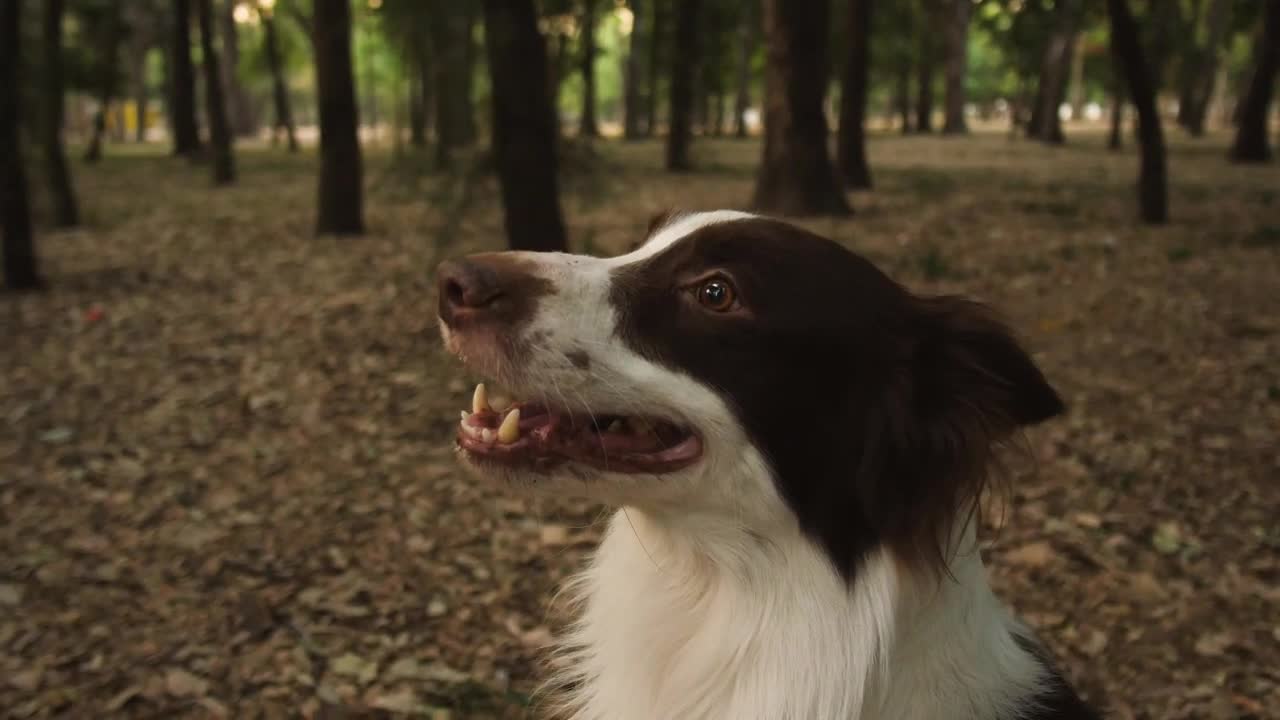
338,76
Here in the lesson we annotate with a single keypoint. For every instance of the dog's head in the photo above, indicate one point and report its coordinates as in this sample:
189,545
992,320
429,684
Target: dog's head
739,365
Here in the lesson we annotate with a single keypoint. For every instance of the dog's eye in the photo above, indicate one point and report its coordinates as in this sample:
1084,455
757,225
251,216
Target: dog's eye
717,295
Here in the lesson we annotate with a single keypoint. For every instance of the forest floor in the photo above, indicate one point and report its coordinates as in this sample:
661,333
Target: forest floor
226,483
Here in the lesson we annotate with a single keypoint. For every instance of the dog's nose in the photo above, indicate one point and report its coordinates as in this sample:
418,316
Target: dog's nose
467,287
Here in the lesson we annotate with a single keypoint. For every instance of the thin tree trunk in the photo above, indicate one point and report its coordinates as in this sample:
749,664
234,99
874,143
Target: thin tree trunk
224,166
418,67
239,108
587,126
1153,191
1075,84
635,43
1116,139
748,32
656,62
851,143
186,133
138,61
796,176
279,85
108,37
1204,74
21,271
465,108
1045,123
64,200
683,63
341,194
902,95
1251,137
524,140
717,123
924,83
957,66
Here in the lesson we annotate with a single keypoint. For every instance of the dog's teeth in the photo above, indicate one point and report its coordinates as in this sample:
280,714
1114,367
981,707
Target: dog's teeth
479,399
616,426
487,435
472,431
641,426
509,431
465,415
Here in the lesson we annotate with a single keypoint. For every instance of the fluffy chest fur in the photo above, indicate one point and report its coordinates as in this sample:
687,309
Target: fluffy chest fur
674,627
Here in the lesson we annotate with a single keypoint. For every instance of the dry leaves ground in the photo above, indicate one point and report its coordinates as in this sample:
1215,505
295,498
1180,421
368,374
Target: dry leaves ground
226,487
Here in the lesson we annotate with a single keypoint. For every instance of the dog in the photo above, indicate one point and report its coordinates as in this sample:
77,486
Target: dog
795,445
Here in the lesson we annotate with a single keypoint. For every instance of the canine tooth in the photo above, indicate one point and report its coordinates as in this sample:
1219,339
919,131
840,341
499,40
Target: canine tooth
509,431
479,399
465,415
487,435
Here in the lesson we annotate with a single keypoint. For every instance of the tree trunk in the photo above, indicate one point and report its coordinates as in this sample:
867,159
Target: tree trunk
902,96
1251,137
224,166
64,200
108,40
20,267
748,32
851,144
239,108
1153,191
1045,123
524,138
717,122
1205,72
451,40
587,126
279,85
924,83
186,133
138,62
341,197
631,112
417,69
657,37
555,73
796,176
1116,139
684,62
957,66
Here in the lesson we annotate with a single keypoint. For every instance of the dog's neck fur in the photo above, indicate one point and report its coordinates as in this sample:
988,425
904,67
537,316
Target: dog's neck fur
696,617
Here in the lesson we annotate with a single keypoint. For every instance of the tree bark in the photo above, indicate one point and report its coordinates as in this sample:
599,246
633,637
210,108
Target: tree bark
21,271
239,108
796,176
341,194
851,143
635,43
957,66
1251,137
748,32
524,138
108,40
186,133
65,212
1153,191
657,36
224,166
587,126
279,85
1204,73
451,41
684,62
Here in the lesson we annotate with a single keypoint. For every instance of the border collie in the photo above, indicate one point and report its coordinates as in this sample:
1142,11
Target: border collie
795,445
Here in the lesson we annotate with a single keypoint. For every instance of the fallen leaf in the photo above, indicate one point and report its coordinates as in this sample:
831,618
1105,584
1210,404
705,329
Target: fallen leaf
180,683
1036,554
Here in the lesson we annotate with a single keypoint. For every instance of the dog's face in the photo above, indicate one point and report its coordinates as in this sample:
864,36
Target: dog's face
738,365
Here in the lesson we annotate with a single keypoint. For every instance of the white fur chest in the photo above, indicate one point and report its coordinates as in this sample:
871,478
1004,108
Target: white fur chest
743,628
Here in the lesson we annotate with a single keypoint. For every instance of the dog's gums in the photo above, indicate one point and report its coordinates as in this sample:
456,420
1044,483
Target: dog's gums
539,438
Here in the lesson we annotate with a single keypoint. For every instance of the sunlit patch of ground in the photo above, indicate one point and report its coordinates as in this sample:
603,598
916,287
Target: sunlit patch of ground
225,473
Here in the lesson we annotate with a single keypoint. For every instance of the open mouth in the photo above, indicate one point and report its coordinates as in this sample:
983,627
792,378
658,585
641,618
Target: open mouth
532,436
